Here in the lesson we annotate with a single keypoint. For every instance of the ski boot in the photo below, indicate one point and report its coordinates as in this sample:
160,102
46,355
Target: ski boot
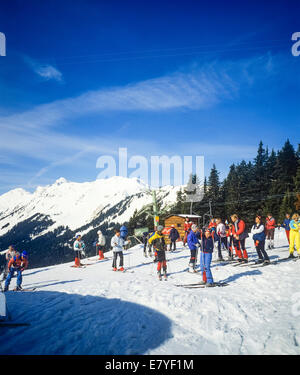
145,255
18,288
115,269
165,276
121,269
266,262
292,256
210,285
192,269
5,289
159,275
202,282
259,261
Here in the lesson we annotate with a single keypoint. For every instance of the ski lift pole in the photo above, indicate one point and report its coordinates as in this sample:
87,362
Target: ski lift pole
155,210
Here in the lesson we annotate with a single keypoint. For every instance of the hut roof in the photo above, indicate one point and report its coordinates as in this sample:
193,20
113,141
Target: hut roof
184,216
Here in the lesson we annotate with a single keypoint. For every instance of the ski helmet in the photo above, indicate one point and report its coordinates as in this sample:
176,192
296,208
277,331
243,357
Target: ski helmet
78,235
24,254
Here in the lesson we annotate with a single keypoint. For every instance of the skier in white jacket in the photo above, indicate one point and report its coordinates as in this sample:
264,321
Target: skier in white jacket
222,238
78,247
100,246
118,243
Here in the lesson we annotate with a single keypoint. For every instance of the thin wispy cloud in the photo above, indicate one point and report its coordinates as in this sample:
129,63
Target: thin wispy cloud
197,90
202,88
45,71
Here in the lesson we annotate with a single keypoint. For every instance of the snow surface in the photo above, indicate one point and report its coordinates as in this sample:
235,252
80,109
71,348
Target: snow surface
75,204
97,311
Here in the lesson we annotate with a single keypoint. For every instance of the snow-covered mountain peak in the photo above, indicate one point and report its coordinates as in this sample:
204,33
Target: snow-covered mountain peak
76,204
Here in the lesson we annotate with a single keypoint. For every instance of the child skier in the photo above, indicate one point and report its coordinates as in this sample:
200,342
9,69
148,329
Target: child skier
193,243
259,237
270,230
100,245
118,243
78,247
207,248
16,264
230,242
294,235
159,245
8,256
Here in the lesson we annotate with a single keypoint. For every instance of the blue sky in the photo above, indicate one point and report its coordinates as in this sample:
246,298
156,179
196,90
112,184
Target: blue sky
83,78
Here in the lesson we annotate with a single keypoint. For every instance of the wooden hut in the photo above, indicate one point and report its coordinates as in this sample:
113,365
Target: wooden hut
178,222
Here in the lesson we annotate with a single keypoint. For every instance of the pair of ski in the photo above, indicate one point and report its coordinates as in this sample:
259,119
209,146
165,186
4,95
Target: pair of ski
200,286
82,265
24,290
260,265
126,270
9,324
225,262
287,260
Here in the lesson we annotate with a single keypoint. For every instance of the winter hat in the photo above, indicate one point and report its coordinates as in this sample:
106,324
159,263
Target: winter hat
77,235
194,227
99,232
160,228
24,254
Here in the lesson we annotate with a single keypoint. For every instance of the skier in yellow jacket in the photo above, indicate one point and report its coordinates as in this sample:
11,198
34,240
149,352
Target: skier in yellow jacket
159,245
294,235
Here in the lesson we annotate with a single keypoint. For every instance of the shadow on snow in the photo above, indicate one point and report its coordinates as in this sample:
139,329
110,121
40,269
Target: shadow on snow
63,323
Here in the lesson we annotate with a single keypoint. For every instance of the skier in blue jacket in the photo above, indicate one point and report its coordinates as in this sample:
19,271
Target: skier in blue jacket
207,248
286,226
193,243
259,238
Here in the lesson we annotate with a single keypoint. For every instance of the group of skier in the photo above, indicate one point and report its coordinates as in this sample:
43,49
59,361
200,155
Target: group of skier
118,243
217,234
16,262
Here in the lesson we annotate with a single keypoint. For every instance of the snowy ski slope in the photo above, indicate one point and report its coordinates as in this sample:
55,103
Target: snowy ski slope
96,311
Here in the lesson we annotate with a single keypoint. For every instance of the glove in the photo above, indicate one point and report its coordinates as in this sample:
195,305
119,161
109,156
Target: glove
83,252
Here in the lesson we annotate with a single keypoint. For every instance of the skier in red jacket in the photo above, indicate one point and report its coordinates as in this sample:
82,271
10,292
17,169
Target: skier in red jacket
17,264
270,230
187,228
239,238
